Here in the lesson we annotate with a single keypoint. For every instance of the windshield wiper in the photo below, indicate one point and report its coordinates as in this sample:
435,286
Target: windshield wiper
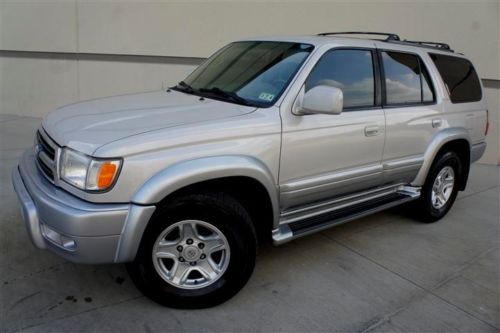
185,87
226,94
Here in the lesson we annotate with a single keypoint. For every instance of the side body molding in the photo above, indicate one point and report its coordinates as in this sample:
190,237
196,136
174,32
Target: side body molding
439,140
187,173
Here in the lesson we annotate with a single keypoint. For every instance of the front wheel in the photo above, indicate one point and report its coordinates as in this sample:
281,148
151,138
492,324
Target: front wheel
440,189
198,251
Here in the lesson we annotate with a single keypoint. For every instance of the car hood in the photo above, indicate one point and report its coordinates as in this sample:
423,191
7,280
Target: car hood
88,125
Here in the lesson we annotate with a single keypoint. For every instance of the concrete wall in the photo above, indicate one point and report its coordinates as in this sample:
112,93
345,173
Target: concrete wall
56,52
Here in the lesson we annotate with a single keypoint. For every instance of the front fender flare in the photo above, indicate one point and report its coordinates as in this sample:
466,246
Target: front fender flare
438,141
190,172
182,174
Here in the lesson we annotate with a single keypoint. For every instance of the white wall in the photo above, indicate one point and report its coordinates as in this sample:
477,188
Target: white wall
34,83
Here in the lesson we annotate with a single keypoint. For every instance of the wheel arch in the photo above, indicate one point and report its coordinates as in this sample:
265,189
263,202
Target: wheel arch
456,139
219,172
249,192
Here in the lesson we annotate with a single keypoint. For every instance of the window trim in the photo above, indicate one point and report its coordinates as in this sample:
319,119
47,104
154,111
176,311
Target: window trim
431,82
383,84
444,83
377,88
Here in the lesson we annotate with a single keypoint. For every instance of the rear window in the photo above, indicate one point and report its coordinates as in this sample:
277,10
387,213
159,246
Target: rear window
460,78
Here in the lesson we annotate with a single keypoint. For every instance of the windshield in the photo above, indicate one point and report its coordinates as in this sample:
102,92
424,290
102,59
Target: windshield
250,73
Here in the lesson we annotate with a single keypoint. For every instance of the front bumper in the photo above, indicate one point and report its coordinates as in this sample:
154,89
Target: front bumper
77,230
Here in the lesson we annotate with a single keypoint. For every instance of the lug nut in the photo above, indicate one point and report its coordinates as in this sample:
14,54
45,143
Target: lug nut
189,241
203,256
181,259
192,263
179,248
201,245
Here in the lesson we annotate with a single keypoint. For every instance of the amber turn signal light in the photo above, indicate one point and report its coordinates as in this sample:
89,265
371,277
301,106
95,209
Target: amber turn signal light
106,175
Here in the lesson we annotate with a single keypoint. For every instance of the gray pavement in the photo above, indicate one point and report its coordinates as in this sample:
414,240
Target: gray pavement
383,273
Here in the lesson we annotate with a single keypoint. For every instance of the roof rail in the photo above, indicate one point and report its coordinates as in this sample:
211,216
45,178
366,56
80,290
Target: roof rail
437,45
394,38
389,36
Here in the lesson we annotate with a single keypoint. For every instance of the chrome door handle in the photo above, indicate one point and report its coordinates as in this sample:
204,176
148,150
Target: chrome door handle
371,130
436,122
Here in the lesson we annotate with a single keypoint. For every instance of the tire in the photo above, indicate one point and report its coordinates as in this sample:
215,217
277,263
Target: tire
228,222
431,207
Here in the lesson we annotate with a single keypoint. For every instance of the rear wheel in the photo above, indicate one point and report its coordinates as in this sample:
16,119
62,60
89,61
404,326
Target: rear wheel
440,189
198,251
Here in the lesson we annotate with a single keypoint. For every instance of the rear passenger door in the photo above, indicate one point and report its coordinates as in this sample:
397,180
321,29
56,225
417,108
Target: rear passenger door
411,112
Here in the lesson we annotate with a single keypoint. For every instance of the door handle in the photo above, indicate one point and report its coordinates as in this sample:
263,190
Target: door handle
436,122
371,130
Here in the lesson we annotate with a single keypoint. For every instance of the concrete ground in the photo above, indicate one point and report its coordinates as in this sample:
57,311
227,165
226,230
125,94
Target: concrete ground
378,274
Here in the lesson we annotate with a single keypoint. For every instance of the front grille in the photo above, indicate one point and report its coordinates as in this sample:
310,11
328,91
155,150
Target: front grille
45,146
45,151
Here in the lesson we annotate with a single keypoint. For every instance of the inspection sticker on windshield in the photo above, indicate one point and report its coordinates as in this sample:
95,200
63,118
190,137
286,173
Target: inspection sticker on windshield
266,96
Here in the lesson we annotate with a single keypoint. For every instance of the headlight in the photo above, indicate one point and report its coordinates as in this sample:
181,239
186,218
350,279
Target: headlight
87,173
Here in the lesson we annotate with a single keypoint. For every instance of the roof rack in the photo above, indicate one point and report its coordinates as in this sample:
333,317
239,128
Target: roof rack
389,36
394,38
437,45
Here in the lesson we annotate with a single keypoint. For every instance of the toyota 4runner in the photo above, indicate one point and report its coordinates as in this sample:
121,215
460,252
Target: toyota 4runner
272,138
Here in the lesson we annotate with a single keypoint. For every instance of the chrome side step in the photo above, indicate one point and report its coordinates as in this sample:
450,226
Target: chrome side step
343,213
323,207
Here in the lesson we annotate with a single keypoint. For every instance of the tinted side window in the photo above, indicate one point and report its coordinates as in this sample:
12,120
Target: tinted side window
406,79
460,78
402,78
349,70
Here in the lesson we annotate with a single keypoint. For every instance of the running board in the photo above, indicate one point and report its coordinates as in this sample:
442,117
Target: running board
289,231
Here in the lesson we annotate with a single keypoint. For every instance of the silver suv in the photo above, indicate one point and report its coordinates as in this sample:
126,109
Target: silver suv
268,139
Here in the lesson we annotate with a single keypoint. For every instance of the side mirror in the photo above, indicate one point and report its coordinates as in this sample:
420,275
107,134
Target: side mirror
320,99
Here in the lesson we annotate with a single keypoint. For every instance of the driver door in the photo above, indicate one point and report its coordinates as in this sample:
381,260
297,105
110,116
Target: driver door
327,156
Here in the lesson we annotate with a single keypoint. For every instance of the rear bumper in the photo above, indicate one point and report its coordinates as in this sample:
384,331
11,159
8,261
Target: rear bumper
68,226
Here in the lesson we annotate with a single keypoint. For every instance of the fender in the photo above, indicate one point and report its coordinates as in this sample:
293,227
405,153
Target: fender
190,172
439,140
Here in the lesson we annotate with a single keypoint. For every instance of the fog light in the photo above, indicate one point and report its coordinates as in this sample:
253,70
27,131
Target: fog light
58,239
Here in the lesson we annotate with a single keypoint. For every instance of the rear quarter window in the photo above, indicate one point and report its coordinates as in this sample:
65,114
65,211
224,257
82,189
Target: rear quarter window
460,78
